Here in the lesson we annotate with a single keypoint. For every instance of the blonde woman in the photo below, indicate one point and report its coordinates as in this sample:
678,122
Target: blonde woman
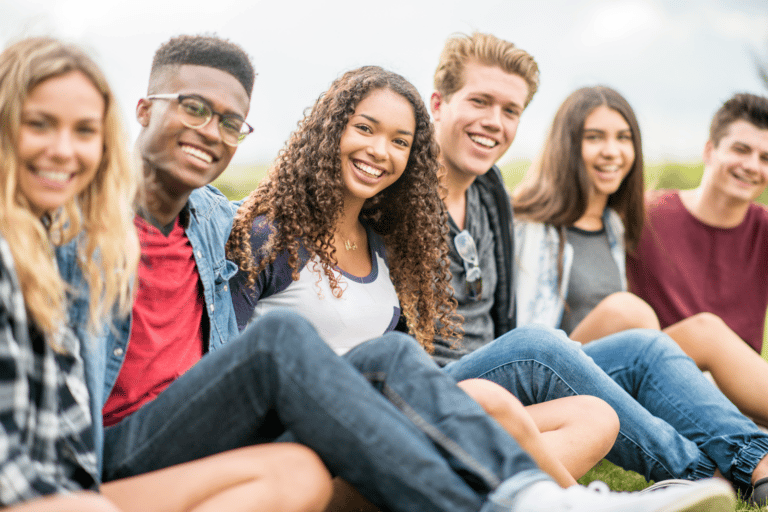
64,174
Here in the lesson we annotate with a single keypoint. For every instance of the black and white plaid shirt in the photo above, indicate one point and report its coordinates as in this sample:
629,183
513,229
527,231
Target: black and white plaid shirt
46,439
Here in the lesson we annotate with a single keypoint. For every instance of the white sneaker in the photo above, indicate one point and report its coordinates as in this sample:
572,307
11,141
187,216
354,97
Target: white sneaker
713,495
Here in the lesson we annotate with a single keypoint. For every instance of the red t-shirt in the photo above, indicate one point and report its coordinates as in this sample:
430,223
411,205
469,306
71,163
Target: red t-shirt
683,267
166,330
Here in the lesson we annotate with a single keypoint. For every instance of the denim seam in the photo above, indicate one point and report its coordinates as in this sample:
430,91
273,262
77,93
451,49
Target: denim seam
705,466
438,437
747,459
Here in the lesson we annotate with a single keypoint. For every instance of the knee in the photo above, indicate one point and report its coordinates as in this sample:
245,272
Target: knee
394,346
300,467
534,341
280,330
707,324
629,309
603,417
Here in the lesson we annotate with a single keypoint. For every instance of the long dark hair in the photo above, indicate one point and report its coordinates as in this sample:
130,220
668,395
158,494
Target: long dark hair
556,189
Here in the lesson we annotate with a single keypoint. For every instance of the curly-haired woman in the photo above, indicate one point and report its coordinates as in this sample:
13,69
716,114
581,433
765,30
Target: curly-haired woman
349,229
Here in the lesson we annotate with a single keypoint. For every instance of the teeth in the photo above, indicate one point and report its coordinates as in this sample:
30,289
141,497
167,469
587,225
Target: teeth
483,141
197,153
608,168
744,178
367,169
60,177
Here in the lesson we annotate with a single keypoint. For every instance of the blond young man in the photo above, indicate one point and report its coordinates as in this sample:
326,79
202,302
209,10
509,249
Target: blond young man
483,85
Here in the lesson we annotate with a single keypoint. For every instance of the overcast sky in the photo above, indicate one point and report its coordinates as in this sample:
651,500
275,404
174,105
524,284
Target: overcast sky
674,60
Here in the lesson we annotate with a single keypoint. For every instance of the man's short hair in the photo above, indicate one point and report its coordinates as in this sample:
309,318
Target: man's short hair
741,107
211,51
485,49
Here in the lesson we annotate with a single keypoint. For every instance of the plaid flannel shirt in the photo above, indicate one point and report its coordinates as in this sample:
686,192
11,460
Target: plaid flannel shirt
46,437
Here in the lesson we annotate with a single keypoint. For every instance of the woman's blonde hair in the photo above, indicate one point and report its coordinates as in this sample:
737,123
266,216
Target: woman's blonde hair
102,213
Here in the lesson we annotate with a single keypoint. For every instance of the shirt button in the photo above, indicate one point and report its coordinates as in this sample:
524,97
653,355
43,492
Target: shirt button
199,254
225,288
118,351
212,308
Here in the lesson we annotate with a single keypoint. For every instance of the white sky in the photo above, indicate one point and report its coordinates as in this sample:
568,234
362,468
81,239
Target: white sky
674,60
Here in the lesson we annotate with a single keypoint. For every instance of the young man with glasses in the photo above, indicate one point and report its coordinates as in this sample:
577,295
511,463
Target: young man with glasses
674,423
168,403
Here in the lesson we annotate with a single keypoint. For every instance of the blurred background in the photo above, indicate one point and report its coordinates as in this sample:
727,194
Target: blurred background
675,61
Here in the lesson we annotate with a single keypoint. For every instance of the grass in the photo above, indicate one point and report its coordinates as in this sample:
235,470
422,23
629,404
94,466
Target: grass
237,182
621,480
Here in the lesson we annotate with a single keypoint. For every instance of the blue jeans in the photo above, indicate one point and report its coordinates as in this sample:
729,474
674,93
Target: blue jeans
426,446
674,422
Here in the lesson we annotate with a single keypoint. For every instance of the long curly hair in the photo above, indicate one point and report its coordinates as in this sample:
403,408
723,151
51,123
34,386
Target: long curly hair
303,197
102,211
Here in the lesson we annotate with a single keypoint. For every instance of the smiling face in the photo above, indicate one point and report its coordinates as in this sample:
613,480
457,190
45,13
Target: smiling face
182,159
607,151
376,143
61,140
476,126
737,167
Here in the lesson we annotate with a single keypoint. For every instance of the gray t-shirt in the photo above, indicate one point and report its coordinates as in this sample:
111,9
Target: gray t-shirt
594,275
478,324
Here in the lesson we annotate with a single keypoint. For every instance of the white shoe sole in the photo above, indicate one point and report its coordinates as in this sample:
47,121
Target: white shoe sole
715,496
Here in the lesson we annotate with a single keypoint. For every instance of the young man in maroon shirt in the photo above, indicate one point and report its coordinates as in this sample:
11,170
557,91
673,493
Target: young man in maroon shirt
702,261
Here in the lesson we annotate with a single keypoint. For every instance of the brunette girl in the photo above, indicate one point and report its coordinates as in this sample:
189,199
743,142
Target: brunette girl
577,213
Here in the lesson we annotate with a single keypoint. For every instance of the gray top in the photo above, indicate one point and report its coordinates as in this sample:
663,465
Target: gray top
594,275
478,324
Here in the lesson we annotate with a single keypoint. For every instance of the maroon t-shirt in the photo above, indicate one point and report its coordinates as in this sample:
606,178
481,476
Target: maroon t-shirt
166,328
683,267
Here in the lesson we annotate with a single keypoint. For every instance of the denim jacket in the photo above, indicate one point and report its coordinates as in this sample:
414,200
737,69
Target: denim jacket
538,299
208,224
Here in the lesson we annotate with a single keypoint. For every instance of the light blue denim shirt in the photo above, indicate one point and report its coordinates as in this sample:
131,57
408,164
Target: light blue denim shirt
208,226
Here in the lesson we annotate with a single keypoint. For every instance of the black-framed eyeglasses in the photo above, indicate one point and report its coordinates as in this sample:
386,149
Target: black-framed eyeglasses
195,113
467,249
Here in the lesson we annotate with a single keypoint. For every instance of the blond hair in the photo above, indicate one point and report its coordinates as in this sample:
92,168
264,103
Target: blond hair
108,247
485,49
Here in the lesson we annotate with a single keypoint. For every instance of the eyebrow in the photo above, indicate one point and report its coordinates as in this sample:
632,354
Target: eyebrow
600,130
376,121
47,115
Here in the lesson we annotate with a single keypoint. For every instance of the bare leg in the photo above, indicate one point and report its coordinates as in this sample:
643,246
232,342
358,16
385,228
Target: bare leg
739,371
79,502
580,430
268,477
615,313
566,437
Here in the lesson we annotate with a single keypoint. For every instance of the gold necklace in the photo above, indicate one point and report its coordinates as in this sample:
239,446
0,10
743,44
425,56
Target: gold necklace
350,246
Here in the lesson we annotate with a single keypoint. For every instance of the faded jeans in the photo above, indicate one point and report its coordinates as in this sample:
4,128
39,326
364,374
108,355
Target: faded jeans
426,446
674,422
